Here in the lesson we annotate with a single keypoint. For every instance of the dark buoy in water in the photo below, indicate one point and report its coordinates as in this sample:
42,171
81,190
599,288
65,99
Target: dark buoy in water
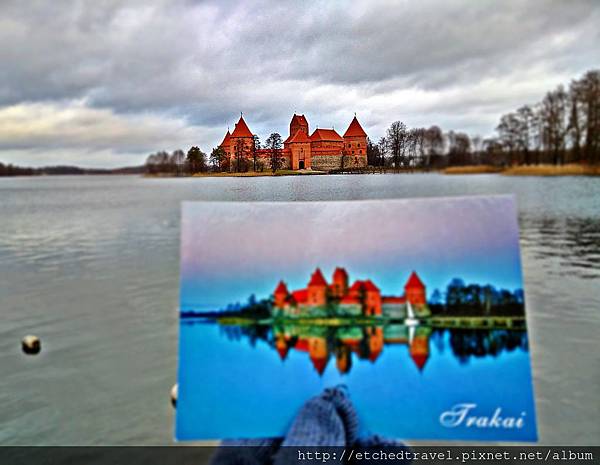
174,390
31,345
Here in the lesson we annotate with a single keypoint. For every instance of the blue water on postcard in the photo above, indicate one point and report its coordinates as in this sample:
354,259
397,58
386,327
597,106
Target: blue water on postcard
259,394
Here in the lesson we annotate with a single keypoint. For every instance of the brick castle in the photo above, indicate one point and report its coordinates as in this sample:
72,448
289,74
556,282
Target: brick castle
322,150
362,298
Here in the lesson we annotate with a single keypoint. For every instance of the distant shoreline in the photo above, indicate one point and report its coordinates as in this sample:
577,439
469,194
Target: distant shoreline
545,170
522,170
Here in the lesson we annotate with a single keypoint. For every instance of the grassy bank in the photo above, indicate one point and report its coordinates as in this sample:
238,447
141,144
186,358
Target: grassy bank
247,174
472,169
572,169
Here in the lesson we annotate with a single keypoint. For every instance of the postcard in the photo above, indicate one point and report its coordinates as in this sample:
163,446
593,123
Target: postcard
415,305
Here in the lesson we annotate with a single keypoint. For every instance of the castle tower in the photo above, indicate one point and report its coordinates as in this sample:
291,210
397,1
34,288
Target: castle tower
298,123
281,294
419,348
340,282
318,353
414,290
300,150
375,340
372,298
226,144
282,346
317,289
355,144
240,141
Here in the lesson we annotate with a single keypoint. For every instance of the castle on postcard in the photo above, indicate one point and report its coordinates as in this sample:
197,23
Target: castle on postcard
338,298
322,150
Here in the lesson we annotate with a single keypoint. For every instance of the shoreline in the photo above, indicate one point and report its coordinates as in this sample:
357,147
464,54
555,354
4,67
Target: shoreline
571,169
544,170
516,322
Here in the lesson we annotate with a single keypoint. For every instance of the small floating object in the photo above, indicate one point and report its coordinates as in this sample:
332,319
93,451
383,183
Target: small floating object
31,345
174,392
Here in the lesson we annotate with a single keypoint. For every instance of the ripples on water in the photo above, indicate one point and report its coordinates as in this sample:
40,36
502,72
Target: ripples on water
91,265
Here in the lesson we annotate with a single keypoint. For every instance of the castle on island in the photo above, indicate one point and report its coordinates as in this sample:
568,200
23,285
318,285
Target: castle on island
338,298
322,150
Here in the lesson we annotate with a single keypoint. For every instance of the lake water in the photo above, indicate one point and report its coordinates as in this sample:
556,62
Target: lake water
91,265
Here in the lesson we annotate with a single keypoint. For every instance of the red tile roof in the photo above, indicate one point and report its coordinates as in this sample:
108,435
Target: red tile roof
364,286
356,286
241,129
355,129
374,355
317,279
414,282
281,288
319,364
350,300
226,139
369,286
283,351
300,296
326,135
390,299
420,360
298,137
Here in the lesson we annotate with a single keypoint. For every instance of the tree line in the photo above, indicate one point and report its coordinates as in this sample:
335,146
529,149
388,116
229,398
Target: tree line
177,162
13,170
563,128
461,299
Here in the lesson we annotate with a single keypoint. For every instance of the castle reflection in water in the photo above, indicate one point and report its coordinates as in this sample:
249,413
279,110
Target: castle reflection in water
344,345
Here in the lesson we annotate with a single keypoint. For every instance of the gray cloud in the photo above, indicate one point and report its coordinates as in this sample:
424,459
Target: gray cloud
143,68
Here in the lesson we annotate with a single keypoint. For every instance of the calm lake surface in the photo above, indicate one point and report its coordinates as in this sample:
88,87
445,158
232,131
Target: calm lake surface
91,265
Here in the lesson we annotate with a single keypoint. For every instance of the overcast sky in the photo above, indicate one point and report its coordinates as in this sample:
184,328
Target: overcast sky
105,83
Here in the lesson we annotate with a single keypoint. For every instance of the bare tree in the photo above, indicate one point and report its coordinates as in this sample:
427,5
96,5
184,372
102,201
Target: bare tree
587,95
382,145
178,161
373,153
459,148
396,141
274,145
255,148
433,144
553,116
240,152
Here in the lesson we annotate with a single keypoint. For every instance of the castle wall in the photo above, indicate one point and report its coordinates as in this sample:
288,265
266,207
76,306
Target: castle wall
333,161
326,162
312,310
394,310
265,160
